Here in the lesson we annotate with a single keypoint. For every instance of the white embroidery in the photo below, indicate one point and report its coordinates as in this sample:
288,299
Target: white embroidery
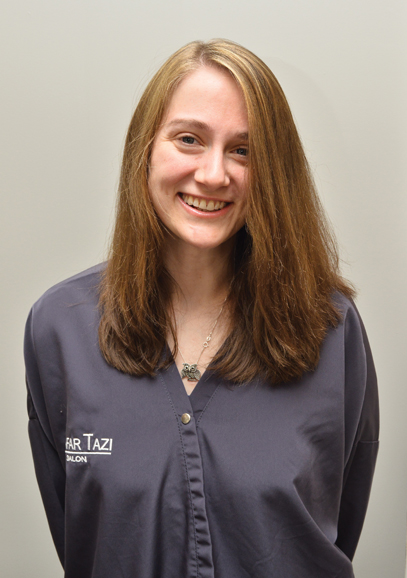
76,449
76,458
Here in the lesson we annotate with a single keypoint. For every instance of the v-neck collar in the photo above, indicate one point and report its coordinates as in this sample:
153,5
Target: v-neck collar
197,401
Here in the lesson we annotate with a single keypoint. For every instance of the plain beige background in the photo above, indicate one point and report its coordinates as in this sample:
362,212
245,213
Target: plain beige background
71,73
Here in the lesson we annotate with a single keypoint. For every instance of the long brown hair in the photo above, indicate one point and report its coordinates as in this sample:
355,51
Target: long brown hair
285,258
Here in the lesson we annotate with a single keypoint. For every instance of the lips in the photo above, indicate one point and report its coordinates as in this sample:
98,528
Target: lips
209,206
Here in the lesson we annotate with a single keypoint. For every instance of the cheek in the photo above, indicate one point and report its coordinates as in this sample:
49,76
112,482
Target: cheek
243,203
165,176
152,186
242,180
156,190
242,218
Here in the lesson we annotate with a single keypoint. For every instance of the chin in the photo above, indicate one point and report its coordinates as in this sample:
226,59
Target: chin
206,243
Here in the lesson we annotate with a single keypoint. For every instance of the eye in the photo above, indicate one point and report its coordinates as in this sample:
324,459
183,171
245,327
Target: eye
188,140
241,151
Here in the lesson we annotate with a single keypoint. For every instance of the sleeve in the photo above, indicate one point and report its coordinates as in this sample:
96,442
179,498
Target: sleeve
360,466
48,467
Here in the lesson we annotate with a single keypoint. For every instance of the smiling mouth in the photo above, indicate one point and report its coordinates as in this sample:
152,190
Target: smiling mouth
202,204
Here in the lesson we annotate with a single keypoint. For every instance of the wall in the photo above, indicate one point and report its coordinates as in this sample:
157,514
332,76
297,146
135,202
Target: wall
72,72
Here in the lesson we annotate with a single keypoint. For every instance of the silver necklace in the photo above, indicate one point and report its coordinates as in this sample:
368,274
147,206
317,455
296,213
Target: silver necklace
190,370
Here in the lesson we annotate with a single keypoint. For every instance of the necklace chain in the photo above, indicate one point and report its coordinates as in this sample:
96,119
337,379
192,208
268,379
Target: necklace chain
191,371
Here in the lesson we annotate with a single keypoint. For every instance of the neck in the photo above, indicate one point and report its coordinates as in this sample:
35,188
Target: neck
202,276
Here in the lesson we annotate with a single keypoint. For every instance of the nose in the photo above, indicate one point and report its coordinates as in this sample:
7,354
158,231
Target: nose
211,171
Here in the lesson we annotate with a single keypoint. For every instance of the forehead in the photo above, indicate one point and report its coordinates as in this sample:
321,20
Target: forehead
208,93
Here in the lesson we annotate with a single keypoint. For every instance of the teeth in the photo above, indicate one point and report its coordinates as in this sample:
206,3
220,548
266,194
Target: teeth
202,204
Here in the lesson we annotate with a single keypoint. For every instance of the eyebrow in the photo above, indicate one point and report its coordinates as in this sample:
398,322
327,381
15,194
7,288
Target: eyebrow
197,124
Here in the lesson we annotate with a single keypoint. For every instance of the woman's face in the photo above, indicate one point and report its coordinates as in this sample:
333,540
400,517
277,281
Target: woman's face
198,168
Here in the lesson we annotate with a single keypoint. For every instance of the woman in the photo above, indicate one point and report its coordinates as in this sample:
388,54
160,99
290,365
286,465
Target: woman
205,404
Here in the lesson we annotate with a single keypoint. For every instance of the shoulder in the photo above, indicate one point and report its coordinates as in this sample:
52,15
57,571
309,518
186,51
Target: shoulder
350,335
82,285
76,290
66,303
361,391
344,304
347,333
350,325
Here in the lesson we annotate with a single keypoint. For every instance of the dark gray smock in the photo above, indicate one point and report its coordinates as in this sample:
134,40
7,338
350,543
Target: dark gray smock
262,482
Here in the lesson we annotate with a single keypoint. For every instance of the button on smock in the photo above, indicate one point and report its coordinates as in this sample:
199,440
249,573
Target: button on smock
185,418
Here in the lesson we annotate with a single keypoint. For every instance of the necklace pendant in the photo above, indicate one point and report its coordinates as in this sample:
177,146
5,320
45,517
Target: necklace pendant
191,372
